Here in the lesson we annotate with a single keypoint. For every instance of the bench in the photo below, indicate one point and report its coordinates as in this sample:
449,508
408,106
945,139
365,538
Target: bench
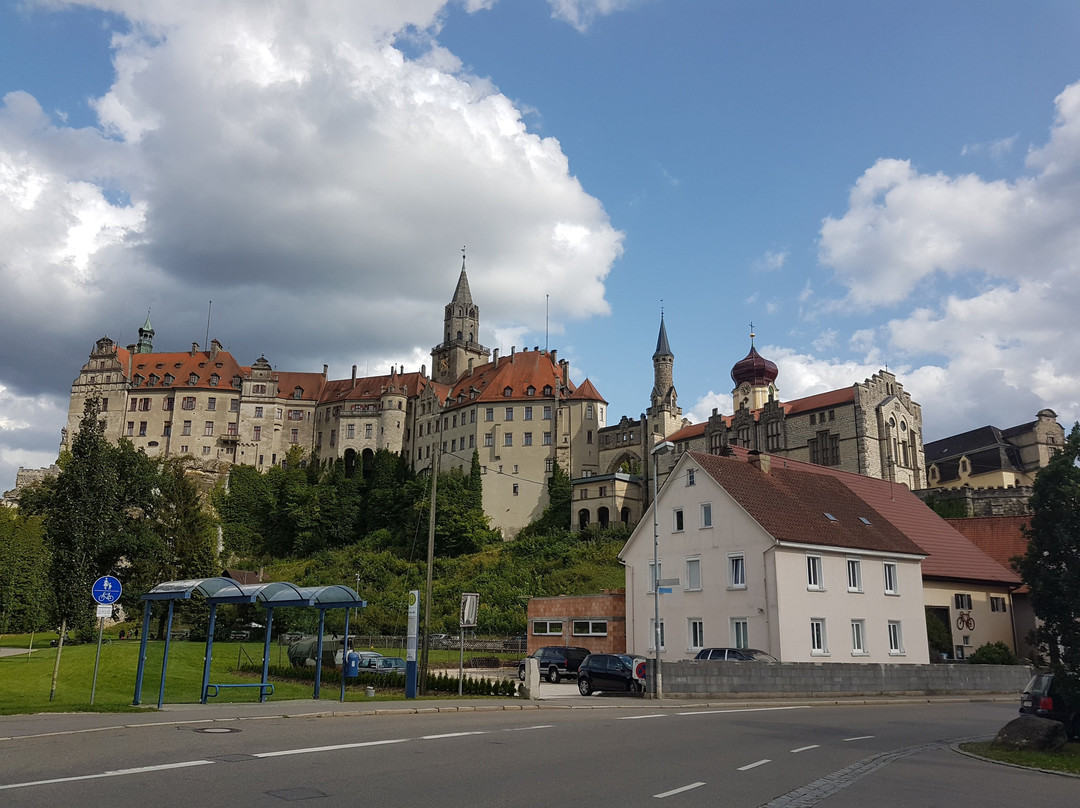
264,690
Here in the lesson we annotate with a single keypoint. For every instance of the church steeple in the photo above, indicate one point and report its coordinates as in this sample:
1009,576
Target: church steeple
146,336
664,411
461,329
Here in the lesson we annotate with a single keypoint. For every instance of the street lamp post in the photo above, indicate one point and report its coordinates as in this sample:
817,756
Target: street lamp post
659,449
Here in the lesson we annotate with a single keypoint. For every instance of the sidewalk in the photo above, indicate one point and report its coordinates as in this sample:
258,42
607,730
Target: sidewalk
26,726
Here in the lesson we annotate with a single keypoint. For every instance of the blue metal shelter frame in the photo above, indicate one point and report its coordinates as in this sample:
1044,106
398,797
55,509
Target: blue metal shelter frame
226,590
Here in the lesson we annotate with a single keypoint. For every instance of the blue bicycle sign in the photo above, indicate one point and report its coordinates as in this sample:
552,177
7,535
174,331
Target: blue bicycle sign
107,589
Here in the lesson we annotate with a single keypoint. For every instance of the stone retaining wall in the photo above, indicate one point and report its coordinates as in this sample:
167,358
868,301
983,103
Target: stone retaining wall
702,679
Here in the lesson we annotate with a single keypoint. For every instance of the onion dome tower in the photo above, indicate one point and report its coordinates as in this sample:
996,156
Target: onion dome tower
755,379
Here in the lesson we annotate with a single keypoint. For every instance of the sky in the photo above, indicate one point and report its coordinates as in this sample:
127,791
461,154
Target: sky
871,185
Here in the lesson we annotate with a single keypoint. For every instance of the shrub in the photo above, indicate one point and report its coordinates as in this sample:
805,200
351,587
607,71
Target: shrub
993,653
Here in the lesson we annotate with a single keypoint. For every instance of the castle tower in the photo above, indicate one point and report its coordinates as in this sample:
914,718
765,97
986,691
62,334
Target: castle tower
755,380
461,329
146,337
664,413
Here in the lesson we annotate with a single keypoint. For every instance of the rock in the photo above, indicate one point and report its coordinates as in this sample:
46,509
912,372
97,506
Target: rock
1031,733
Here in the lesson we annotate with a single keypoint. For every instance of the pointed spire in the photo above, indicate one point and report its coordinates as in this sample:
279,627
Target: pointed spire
146,325
662,347
462,294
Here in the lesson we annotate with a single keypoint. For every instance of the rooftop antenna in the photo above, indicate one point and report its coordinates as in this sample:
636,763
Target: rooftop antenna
208,308
547,313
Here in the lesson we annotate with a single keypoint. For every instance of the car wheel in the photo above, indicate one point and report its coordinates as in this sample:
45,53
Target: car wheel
553,675
1072,729
584,687
631,686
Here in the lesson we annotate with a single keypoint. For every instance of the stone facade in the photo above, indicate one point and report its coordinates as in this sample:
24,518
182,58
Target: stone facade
596,622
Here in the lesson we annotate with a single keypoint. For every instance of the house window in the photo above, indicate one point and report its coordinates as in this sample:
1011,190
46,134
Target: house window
528,414
530,390
677,520
961,601
142,429
333,437
695,633
547,438
186,430
652,635
211,404
690,476
813,572
453,446
854,575
508,439
296,415
740,632
528,439
234,405
472,441
706,514
214,379
515,489
547,411
167,429
588,436
997,604
188,403
547,628
547,390
896,638
736,571
278,412
298,392
368,428
589,628
294,436
351,431
818,640
654,574
509,414
889,568
772,436
858,637
206,450
208,428
549,465
489,414
693,574
256,433
489,439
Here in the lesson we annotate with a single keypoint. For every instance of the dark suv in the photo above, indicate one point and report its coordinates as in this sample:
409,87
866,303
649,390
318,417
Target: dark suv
555,661
1042,697
735,655
611,673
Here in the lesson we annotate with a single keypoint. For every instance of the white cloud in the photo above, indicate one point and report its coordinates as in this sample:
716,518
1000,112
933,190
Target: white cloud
582,13
996,148
771,261
704,406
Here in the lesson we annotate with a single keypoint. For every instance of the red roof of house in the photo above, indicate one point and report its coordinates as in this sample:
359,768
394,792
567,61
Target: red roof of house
1000,537
311,385
515,374
587,392
949,554
795,506
688,433
181,366
371,388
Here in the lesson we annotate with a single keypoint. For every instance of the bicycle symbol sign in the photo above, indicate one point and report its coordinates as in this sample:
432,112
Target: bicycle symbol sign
107,589
965,621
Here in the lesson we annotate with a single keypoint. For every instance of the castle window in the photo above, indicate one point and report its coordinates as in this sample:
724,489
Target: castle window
508,391
530,391
489,414
298,392
258,389
193,378
547,389
813,419
772,435
509,414
214,378
188,403
153,380
589,411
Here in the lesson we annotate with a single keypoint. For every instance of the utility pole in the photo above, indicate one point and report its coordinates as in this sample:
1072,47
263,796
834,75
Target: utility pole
430,564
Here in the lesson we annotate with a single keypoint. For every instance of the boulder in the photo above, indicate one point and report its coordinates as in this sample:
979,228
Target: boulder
1031,733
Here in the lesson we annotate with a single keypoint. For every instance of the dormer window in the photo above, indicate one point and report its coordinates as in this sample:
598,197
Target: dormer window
547,389
298,392
214,378
168,380
193,378
508,391
530,391
137,380
153,380
237,382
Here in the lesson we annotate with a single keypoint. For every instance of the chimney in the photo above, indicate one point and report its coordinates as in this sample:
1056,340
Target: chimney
536,347
324,369
495,356
565,365
215,347
759,460
194,348
554,358
513,350
423,371
354,377
470,365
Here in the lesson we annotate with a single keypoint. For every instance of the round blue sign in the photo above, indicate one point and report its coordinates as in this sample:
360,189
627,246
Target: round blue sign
107,589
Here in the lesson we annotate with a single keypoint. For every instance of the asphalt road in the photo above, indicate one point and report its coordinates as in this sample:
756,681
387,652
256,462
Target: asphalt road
835,756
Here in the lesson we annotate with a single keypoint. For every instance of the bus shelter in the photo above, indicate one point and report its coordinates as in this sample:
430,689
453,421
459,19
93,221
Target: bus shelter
271,596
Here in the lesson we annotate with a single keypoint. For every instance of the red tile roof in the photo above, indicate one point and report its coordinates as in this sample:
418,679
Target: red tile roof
310,383
371,388
688,433
1000,537
950,555
792,506
518,372
587,392
180,366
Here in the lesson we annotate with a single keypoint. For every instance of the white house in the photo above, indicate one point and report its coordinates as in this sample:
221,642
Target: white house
773,556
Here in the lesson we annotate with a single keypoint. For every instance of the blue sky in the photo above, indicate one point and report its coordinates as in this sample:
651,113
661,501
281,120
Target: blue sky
871,184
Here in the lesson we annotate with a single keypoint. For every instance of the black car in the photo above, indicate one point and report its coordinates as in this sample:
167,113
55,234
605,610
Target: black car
555,661
608,673
735,655
1044,698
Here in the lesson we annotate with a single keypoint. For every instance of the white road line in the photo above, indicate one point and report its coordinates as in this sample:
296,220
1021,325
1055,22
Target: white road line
116,773
522,729
334,748
636,717
753,765
678,790
449,735
859,738
747,710
805,748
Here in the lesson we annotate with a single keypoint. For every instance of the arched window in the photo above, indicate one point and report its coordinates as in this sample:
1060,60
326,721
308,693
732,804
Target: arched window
583,518
624,516
602,516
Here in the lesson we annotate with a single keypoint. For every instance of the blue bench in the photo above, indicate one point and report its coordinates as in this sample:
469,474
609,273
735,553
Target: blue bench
264,690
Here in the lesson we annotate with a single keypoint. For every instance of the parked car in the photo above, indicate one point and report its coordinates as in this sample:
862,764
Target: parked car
609,673
735,655
369,659
1044,698
390,664
555,661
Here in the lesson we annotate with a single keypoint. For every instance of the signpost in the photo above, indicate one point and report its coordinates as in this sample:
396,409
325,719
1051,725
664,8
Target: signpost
470,602
410,648
106,592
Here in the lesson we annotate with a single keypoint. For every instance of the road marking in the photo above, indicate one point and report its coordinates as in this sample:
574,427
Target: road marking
753,765
859,738
678,790
635,717
805,748
449,735
747,710
117,773
522,729
334,748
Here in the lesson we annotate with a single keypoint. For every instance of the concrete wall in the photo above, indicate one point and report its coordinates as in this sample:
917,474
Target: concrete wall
692,679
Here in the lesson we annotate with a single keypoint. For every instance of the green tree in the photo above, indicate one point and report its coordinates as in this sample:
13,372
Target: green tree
556,515
25,598
1051,565
938,636
993,653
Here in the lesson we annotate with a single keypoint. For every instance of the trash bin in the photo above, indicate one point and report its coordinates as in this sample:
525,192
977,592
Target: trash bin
352,665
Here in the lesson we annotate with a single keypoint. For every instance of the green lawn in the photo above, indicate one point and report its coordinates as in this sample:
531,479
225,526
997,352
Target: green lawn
1067,760
25,682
